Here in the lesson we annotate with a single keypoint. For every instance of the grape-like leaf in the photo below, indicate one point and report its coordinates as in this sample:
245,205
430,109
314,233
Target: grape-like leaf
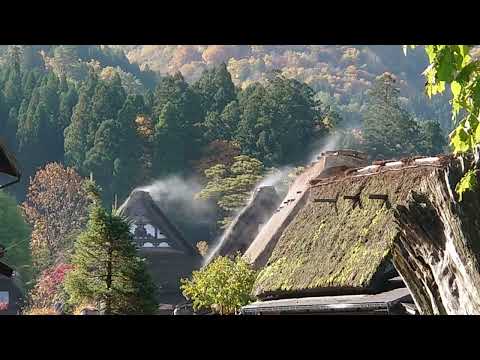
456,88
460,140
467,183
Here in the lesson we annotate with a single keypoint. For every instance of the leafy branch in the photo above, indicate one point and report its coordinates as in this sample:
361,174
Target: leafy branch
453,65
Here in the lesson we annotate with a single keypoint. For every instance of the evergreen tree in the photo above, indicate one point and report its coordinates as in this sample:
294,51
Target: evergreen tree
434,140
107,270
251,102
221,126
68,100
114,157
231,186
176,139
100,159
77,133
389,130
33,134
31,58
215,89
278,120
107,101
13,83
128,165
29,82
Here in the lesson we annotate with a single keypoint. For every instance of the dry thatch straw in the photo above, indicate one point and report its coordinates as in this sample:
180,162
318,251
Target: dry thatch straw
347,247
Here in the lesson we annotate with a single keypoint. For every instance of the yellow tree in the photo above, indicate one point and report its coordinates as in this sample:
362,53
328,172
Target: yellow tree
56,206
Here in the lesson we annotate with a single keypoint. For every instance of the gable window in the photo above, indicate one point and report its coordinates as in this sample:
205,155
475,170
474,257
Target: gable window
151,230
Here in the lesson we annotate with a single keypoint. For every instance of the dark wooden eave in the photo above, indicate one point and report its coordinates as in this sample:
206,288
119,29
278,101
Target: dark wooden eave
8,165
6,270
382,303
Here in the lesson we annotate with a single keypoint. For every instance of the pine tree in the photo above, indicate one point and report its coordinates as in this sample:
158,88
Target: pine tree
277,120
128,166
231,186
388,129
215,88
107,270
13,84
101,157
434,139
177,138
76,134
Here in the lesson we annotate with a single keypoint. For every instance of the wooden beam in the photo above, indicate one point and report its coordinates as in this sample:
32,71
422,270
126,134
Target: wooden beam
383,197
355,199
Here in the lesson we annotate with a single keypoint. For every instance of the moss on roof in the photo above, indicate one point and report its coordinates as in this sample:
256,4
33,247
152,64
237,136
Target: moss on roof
330,249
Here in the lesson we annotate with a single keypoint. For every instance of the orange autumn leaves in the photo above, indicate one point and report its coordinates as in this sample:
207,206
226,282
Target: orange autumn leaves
56,207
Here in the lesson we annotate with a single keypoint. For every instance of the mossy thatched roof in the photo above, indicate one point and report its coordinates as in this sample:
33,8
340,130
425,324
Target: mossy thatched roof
342,247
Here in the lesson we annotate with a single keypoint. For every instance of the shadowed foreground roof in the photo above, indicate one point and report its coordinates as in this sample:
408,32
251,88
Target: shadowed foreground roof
7,162
342,246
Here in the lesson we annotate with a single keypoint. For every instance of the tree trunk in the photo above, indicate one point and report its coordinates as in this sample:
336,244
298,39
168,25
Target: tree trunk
108,305
437,252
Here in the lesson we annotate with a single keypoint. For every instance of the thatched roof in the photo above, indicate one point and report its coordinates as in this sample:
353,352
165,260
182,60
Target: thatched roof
244,228
337,245
328,164
140,207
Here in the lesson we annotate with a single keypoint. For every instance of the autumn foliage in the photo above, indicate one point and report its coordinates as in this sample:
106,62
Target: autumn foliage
56,207
217,152
48,289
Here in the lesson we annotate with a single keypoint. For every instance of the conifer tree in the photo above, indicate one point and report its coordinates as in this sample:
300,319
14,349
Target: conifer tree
76,134
177,139
107,271
215,89
389,130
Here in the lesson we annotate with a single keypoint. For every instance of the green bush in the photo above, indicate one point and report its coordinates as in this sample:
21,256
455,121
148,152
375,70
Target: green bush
223,286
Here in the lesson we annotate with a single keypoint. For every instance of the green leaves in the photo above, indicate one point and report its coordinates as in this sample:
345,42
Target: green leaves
223,286
446,66
456,88
467,183
231,186
465,73
460,141
452,64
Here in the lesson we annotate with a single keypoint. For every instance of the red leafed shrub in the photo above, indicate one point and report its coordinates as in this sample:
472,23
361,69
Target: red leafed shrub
48,289
3,306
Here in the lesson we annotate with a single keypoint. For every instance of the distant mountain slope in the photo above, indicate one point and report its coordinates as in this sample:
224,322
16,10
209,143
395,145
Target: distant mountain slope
341,73
346,66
